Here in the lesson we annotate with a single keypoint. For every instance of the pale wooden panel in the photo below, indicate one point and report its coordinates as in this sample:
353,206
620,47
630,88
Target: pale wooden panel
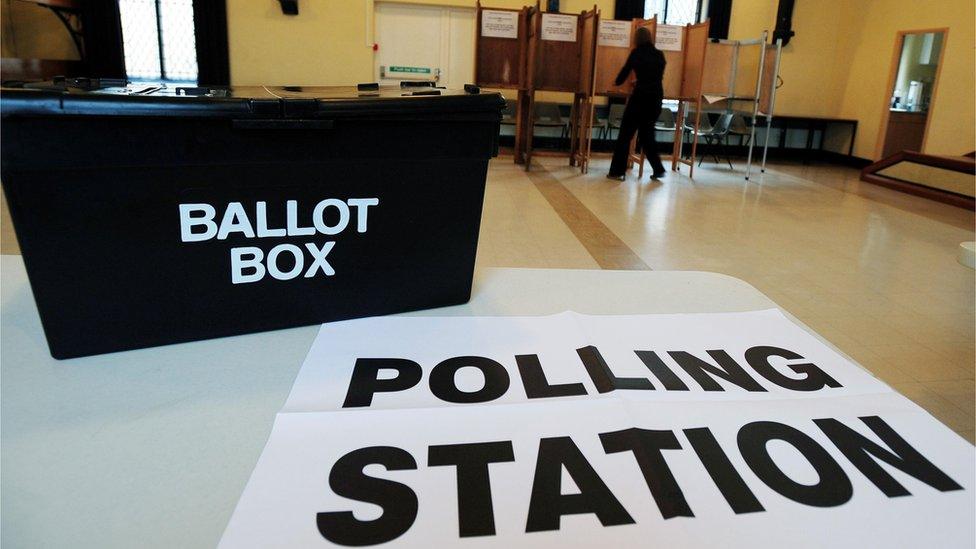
695,44
768,80
748,71
672,73
609,61
557,63
587,38
718,68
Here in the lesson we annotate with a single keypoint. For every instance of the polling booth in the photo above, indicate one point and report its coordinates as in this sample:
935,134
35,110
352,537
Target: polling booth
684,50
150,215
555,64
741,77
501,55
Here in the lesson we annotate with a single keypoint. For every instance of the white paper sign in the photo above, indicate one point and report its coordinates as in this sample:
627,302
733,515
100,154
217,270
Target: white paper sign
499,24
599,431
558,27
614,33
668,37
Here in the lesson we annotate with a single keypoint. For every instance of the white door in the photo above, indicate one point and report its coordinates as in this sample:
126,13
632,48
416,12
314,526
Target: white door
418,42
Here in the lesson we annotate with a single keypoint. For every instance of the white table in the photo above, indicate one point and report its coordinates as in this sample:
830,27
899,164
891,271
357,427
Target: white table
152,448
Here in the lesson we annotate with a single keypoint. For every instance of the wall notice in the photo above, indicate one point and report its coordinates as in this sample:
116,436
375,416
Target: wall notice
558,27
499,24
668,37
704,430
614,33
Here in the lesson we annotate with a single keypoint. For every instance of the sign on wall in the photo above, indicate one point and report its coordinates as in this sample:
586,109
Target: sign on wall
614,33
582,431
499,24
668,37
558,27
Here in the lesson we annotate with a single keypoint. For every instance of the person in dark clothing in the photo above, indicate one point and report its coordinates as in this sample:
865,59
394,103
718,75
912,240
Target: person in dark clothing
643,107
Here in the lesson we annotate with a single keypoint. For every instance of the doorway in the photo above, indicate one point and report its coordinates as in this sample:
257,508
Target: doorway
419,42
911,90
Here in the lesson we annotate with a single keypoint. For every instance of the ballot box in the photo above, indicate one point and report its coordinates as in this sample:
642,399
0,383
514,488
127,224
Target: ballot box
151,214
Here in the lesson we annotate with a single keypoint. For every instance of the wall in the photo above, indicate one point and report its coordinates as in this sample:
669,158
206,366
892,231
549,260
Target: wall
839,63
952,115
328,43
33,32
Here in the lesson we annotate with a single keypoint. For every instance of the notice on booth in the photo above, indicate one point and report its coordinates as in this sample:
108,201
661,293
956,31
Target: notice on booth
569,430
614,34
499,24
668,37
558,27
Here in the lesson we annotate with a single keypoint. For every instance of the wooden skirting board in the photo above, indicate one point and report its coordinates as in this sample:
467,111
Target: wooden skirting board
963,164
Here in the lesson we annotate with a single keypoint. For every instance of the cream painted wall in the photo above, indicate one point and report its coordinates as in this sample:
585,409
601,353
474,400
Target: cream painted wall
328,43
840,61
838,65
952,117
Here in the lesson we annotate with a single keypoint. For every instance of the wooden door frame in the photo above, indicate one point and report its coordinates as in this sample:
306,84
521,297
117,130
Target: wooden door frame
893,75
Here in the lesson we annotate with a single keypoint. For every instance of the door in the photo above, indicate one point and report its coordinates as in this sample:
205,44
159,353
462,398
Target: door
911,88
417,42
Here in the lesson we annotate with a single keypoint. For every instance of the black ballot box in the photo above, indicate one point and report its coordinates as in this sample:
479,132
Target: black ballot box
149,215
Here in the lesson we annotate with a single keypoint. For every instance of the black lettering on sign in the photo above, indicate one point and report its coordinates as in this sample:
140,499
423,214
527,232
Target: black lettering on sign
832,488
444,387
646,446
813,380
398,501
535,382
603,378
727,369
476,515
729,482
902,456
365,380
661,371
547,504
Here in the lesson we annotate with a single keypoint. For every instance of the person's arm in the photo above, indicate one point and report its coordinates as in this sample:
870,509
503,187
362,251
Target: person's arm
625,71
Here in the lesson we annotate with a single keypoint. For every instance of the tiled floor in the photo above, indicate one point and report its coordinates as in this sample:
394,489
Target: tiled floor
872,270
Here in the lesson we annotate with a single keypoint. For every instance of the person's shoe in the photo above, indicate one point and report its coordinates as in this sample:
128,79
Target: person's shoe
620,177
659,175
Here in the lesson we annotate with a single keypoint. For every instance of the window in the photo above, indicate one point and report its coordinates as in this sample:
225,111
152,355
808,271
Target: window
158,39
676,12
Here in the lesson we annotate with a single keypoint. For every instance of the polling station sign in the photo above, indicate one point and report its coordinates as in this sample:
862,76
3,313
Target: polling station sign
580,431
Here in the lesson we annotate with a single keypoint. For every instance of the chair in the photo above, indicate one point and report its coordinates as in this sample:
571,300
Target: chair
718,135
704,127
615,118
599,124
548,115
740,129
665,121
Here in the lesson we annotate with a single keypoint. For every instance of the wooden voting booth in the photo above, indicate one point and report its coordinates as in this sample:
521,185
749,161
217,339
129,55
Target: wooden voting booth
501,55
684,51
530,50
740,75
560,52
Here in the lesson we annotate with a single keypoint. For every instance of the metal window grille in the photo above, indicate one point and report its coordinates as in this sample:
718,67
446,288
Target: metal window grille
674,12
158,39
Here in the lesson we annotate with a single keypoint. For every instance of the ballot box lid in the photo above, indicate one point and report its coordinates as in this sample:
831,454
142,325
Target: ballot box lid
121,98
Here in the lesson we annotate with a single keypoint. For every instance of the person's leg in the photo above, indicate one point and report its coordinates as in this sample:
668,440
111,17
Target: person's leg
648,139
628,126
